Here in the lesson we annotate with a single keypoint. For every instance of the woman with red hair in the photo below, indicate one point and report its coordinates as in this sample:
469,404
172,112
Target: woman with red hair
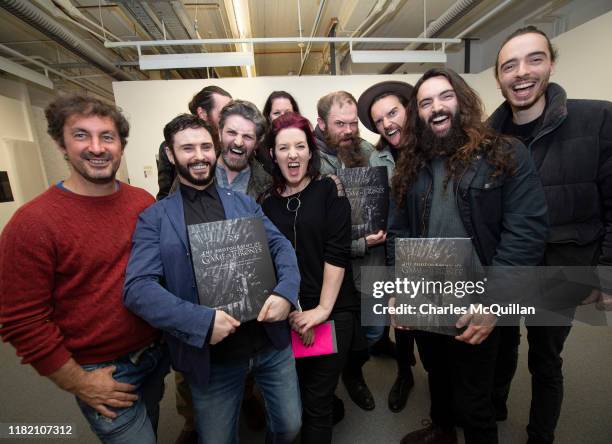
315,215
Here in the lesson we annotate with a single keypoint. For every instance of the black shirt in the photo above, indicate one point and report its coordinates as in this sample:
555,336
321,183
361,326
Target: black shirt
526,132
322,234
203,206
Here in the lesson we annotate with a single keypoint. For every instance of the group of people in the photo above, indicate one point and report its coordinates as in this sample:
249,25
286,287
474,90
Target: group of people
98,286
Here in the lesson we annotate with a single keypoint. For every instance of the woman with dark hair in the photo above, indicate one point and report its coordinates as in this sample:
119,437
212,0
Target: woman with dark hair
315,215
279,103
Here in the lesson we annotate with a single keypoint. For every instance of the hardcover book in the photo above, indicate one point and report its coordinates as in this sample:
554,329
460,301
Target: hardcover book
232,265
439,274
367,189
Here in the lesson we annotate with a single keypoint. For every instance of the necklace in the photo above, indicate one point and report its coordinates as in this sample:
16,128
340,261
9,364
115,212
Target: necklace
293,206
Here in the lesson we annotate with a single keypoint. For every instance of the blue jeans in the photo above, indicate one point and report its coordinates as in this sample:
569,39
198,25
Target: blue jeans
217,406
138,423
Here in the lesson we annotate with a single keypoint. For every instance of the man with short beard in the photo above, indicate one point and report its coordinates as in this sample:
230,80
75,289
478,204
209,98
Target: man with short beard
337,137
241,128
571,144
62,267
457,178
212,349
207,105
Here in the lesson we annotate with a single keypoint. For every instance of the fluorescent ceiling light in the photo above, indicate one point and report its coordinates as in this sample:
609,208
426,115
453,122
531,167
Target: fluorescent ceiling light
196,60
25,73
399,56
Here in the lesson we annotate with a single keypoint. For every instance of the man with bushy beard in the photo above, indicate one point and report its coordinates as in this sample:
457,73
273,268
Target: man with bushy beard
457,178
241,128
337,137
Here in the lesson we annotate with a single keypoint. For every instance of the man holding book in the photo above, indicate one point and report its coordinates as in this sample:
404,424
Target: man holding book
211,348
457,178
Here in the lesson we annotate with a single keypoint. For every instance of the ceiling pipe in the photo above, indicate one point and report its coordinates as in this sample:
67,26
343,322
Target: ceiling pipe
315,27
449,17
41,21
98,90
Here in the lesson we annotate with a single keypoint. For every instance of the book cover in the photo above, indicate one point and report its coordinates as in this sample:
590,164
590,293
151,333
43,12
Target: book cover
232,265
437,270
367,189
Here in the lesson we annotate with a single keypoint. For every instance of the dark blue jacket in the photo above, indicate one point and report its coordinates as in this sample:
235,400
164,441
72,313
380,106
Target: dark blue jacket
160,252
505,216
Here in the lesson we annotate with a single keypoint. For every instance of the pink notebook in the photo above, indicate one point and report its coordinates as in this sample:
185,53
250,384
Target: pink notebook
324,342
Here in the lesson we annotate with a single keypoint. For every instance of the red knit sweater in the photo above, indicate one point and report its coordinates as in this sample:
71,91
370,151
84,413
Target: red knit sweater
62,267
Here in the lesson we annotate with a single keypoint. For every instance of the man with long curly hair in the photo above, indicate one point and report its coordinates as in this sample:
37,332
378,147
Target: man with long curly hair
457,178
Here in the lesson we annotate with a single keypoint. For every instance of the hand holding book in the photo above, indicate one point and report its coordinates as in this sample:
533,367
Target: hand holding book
276,308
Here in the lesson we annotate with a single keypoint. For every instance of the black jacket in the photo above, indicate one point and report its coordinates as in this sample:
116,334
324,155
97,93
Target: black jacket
572,152
505,216
165,172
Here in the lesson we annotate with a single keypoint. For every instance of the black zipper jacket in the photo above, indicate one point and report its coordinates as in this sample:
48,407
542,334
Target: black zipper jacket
505,216
572,151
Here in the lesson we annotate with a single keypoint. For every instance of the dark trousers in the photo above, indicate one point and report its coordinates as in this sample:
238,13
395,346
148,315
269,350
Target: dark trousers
404,346
473,381
318,378
460,380
545,365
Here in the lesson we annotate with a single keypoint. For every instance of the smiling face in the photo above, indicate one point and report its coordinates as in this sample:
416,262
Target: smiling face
238,141
292,154
280,106
193,155
93,147
524,67
389,117
437,104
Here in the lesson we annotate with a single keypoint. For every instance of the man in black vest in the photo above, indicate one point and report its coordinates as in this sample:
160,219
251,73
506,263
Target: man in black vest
571,144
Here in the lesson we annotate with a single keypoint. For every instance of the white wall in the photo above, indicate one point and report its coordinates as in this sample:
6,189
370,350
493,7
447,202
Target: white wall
583,69
19,153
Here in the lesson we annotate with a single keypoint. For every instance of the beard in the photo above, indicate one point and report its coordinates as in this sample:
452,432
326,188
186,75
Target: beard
235,164
183,171
347,148
433,145
98,177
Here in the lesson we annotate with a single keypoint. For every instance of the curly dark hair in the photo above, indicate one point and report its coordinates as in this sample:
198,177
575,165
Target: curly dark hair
58,111
480,138
291,120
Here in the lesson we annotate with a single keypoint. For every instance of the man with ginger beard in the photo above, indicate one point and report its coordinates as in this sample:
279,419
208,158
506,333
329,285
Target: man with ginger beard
337,137
457,178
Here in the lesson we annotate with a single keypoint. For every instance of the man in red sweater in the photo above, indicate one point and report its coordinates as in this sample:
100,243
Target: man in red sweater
62,266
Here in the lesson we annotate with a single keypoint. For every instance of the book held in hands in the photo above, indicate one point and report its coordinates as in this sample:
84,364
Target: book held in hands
232,265
440,275
367,189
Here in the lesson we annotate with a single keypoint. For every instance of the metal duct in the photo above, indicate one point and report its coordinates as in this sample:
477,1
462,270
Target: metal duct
41,21
452,14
